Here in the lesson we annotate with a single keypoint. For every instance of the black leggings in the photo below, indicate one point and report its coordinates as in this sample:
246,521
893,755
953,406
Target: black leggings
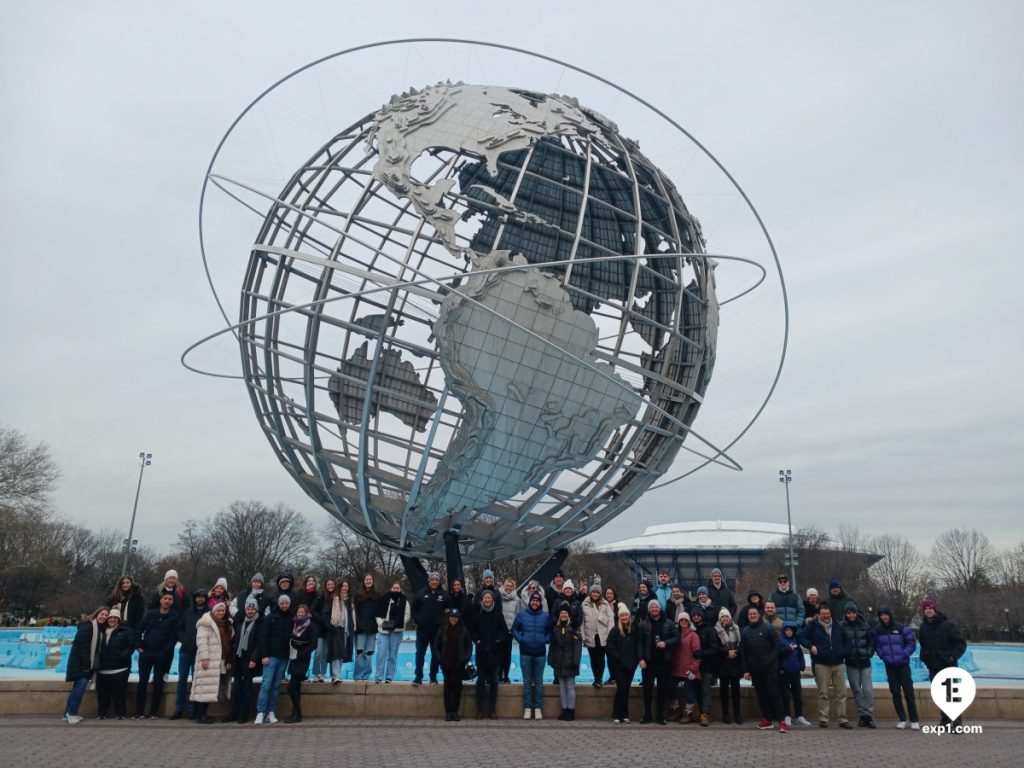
623,680
452,691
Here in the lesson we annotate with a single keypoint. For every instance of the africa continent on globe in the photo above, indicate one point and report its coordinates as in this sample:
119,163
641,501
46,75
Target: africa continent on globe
480,310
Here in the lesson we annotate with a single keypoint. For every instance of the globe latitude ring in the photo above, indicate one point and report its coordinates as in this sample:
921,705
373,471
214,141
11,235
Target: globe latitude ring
509,342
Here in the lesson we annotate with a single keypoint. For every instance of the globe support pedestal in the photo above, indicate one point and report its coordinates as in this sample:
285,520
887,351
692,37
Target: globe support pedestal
547,571
415,572
453,559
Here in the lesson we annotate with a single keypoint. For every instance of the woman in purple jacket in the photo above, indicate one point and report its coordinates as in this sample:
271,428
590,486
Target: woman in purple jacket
894,644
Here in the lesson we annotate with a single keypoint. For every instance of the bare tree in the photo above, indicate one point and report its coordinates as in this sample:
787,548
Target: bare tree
964,560
345,554
27,472
245,538
899,578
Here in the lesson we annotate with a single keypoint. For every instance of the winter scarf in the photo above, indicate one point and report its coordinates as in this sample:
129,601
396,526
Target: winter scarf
245,635
225,635
730,636
339,616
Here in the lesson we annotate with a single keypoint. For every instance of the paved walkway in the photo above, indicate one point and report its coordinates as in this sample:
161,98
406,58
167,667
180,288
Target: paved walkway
32,741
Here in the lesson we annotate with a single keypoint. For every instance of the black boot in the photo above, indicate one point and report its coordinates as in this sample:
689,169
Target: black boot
201,716
295,716
737,718
571,714
726,717
562,714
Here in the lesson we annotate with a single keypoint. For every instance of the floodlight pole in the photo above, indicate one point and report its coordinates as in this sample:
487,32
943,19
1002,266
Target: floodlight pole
145,459
786,477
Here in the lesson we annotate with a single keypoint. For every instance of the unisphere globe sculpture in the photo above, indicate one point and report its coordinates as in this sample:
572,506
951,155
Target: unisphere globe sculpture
481,310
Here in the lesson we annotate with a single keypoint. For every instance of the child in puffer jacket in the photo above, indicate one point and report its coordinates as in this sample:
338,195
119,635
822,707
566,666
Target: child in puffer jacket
791,665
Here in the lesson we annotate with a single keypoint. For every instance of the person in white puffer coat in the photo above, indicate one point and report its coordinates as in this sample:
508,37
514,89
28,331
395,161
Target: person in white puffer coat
213,645
597,623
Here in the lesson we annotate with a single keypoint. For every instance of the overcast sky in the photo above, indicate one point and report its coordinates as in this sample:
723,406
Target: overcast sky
883,144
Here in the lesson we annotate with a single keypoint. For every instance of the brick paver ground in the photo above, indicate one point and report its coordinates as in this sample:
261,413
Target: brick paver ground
47,742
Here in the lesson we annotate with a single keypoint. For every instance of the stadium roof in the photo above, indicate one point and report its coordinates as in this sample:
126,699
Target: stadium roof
704,534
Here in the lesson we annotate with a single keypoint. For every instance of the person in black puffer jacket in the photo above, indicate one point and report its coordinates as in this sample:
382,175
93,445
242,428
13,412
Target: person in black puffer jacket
454,647
127,598
429,607
623,657
302,643
564,657
656,641
366,602
759,654
245,657
158,634
275,647
710,655
730,666
754,600
490,634
858,665
942,643
117,645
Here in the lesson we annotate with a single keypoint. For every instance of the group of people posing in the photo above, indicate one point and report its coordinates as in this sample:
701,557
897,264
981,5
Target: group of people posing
682,647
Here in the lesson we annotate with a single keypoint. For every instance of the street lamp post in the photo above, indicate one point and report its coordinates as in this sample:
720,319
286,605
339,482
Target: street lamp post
145,459
786,477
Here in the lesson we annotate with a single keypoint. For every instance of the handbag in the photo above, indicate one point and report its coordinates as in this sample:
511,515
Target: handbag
468,672
387,624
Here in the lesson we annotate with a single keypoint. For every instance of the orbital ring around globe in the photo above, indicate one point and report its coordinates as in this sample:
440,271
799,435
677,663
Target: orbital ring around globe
479,311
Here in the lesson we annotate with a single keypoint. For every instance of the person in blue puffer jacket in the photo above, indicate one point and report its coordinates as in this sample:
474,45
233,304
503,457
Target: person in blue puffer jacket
895,644
828,643
532,631
791,665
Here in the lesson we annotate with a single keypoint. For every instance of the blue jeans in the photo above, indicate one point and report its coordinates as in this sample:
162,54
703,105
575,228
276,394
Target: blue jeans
387,654
320,659
76,695
423,640
533,681
365,645
271,685
862,688
186,665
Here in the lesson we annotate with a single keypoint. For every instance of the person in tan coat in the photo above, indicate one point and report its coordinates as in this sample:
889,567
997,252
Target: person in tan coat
213,648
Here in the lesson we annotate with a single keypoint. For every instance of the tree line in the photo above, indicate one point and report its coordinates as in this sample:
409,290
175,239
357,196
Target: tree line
972,581
51,566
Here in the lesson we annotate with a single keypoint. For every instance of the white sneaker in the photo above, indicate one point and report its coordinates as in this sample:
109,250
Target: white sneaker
527,714
789,721
625,720
72,719
537,715
915,726
901,725
803,721
260,717
271,717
